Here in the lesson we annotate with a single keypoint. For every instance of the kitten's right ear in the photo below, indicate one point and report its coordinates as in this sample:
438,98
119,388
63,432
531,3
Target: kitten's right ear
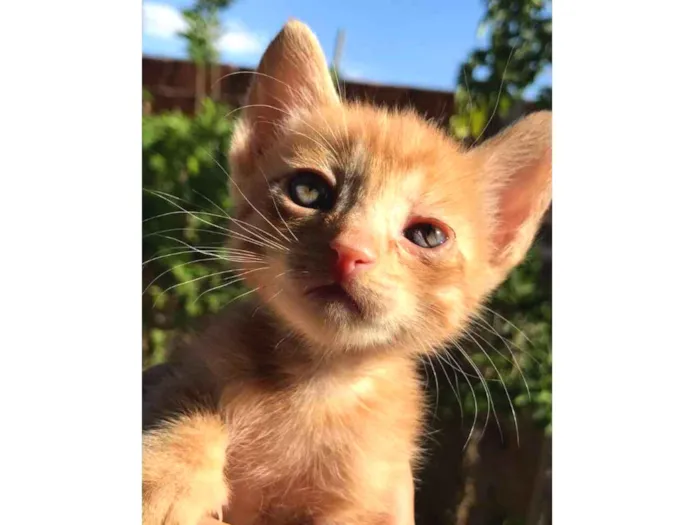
293,75
517,171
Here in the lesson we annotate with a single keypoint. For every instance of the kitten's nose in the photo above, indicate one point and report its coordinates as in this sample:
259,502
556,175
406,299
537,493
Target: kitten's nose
354,255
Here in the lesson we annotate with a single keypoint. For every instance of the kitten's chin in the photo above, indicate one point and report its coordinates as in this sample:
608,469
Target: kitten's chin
329,316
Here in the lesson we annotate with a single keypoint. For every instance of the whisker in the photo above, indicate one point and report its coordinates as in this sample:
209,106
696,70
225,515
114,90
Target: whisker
508,322
454,389
208,276
203,252
210,248
514,361
470,103
243,295
172,268
480,322
505,388
274,203
437,388
262,241
487,390
476,404
498,97
236,278
240,222
248,201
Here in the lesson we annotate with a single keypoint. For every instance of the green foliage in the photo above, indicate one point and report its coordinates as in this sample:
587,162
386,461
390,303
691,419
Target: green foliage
204,30
184,163
493,78
512,339
510,343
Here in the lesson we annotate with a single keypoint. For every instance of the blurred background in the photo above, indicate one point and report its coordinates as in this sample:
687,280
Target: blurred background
473,66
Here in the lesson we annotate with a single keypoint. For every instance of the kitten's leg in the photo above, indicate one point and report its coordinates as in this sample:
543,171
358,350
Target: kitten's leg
184,460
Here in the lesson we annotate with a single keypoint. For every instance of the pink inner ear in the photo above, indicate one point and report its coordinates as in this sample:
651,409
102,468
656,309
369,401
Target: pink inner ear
519,161
522,204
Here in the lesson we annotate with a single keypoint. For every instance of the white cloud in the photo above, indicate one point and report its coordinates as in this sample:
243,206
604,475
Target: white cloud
239,40
162,20
166,22
353,71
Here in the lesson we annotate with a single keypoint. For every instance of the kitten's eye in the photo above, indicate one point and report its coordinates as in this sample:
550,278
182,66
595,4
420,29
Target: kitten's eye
310,190
425,235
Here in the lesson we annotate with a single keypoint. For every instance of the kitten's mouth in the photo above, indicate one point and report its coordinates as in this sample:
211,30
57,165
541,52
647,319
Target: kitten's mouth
335,294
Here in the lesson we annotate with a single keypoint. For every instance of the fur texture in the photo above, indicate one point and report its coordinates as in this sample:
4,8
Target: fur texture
288,409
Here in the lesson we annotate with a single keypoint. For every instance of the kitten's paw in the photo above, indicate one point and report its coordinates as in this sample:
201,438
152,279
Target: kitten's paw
184,509
183,471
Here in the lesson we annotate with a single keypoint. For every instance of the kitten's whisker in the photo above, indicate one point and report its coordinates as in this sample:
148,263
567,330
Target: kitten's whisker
225,216
248,201
194,215
242,295
183,252
176,266
285,112
196,249
281,341
238,221
470,104
256,73
505,388
229,281
198,230
301,116
471,389
498,97
487,390
508,322
271,244
437,388
514,361
213,248
195,279
274,203
199,251
269,301
454,389
297,132
480,322
235,235
182,211
262,241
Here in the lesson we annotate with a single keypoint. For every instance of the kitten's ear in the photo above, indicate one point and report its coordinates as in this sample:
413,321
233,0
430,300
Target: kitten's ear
292,75
518,167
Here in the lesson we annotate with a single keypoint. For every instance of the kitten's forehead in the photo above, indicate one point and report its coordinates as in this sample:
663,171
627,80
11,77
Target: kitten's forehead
377,154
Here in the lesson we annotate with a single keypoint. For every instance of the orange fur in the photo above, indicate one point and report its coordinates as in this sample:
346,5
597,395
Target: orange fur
316,409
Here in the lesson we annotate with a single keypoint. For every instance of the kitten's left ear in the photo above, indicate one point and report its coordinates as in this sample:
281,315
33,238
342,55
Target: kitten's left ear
293,76
518,167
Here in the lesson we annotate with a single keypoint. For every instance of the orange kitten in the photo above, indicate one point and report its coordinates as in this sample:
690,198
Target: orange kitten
380,238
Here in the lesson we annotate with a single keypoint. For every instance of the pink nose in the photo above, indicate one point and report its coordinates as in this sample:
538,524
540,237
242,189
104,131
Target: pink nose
354,255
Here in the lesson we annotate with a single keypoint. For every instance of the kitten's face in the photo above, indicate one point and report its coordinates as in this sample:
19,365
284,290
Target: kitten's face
384,228
358,186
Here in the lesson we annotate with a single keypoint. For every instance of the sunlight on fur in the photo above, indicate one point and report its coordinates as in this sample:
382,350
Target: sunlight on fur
367,238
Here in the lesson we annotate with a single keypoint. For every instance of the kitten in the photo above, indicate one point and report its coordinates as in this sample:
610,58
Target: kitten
377,237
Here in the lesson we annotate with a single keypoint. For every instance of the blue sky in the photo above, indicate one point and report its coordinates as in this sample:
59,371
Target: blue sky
417,43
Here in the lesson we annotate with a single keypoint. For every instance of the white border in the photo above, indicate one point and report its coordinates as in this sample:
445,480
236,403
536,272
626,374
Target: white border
626,191
71,224
625,262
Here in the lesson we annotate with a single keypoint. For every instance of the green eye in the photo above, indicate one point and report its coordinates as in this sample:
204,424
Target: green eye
310,190
425,235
